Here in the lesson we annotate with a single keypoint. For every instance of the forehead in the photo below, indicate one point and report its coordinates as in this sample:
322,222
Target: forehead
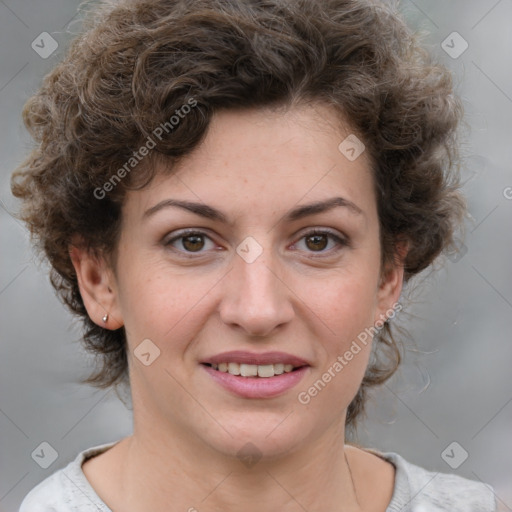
262,158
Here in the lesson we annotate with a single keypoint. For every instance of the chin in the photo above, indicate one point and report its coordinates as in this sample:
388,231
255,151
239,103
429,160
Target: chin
259,435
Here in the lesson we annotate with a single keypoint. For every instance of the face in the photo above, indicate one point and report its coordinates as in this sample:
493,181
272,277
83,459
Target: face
263,277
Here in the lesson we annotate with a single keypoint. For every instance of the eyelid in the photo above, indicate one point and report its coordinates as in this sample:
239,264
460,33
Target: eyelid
340,239
183,233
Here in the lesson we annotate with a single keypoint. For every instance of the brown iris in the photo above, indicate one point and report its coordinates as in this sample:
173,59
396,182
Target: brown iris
316,241
196,244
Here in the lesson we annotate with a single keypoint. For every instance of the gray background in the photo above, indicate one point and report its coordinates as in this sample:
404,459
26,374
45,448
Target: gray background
455,385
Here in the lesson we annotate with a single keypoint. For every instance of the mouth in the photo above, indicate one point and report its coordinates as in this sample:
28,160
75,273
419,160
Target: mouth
264,371
250,375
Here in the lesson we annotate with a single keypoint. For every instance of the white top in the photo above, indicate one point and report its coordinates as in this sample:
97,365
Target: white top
416,489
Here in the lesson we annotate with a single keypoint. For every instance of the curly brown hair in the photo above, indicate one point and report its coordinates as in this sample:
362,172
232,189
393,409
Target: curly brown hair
137,64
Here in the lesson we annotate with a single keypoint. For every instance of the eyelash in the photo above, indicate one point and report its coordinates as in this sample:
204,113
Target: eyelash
341,241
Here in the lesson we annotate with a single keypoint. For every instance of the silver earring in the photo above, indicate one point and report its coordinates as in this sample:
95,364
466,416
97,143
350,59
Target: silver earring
105,318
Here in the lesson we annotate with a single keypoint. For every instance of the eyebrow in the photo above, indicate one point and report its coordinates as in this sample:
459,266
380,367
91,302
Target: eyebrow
296,214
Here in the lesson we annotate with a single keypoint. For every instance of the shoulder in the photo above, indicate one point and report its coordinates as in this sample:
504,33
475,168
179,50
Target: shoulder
51,495
420,490
67,489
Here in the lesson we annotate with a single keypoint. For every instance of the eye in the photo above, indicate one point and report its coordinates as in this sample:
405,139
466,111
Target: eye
317,240
191,241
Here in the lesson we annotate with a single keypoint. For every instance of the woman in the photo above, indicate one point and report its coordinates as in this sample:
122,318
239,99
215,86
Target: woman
231,195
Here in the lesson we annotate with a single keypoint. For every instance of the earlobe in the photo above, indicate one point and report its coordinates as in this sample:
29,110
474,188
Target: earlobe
97,287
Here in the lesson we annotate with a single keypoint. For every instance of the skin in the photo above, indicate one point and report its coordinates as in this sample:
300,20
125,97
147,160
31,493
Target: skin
254,166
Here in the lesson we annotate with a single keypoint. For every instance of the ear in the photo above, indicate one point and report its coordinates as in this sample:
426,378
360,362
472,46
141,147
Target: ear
391,281
97,286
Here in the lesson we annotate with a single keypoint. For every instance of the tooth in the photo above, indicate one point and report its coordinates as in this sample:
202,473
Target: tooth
234,368
248,370
266,370
253,370
278,369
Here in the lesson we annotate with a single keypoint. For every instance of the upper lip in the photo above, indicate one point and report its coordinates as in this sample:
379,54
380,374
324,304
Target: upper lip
242,357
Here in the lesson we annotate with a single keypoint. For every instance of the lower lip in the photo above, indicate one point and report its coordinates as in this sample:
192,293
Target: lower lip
257,387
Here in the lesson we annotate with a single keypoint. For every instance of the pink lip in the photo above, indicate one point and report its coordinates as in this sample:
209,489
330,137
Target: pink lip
257,387
239,356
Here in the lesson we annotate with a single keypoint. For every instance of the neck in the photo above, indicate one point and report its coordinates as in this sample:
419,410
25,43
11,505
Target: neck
163,468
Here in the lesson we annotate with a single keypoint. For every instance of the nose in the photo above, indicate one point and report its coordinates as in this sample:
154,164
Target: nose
256,298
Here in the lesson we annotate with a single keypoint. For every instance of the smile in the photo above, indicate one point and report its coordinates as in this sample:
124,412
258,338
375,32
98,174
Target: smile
254,370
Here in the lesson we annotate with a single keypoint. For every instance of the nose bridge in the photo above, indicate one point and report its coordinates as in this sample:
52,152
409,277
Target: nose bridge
256,300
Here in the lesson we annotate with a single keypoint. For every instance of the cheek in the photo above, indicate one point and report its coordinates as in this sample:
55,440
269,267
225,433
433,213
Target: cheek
168,308
348,308
347,304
